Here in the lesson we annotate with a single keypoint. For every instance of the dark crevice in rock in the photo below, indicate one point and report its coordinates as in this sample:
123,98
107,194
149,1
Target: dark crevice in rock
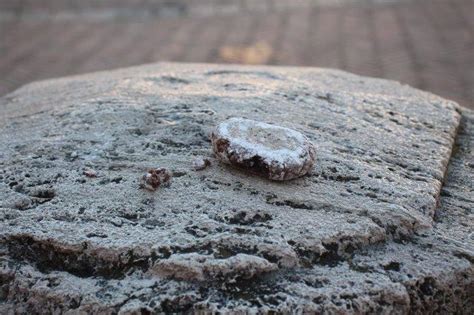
244,217
330,257
340,178
48,256
5,280
273,200
168,79
254,165
293,204
464,255
175,306
336,252
395,232
251,289
393,265
430,295
360,268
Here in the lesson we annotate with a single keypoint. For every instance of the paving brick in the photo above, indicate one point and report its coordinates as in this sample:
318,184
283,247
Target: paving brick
426,43
211,37
293,42
50,61
114,52
327,50
458,43
155,38
22,41
393,50
175,45
360,53
194,37
265,29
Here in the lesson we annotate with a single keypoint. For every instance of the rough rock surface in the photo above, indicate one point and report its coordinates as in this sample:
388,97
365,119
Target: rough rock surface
259,148
372,228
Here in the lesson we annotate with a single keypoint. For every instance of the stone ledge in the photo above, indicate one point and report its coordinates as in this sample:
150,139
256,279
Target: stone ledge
363,232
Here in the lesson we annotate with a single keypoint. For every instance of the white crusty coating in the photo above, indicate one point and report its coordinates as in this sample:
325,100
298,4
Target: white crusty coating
284,150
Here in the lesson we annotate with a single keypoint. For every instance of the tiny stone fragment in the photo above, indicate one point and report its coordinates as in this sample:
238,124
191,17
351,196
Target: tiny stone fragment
90,173
200,163
274,152
156,177
23,203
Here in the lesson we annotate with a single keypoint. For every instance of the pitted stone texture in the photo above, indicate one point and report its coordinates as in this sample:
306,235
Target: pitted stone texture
270,151
68,241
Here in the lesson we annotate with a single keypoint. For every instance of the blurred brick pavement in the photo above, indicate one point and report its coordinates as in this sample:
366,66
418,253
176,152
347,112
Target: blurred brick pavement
428,44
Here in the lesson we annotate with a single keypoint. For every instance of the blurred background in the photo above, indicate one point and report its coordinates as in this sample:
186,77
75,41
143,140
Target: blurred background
428,44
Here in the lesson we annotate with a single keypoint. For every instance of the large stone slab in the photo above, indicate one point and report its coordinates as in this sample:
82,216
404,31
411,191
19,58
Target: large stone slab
235,240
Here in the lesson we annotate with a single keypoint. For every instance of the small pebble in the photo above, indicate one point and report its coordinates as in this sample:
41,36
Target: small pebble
116,221
156,177
274,152
200,163
90,173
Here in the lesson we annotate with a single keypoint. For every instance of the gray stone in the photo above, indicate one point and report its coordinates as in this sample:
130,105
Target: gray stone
380,225
200,163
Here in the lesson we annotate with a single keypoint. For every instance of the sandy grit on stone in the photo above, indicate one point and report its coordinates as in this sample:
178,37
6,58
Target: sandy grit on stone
274,152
